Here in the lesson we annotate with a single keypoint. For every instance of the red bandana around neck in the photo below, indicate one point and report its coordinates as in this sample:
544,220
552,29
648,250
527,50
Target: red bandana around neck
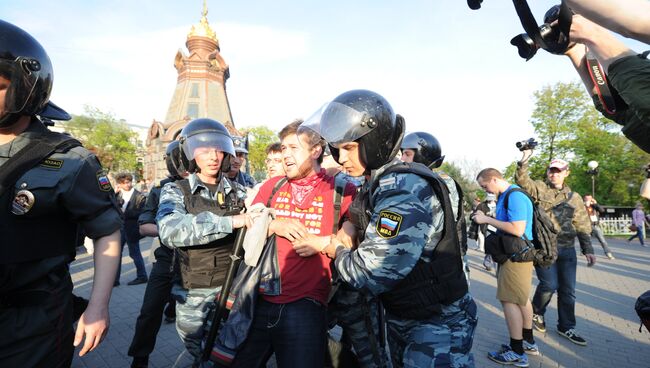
302,189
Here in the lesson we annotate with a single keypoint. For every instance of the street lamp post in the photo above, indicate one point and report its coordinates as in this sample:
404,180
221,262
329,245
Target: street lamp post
593,170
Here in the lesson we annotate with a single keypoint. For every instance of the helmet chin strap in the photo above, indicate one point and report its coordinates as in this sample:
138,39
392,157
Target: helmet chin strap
9,119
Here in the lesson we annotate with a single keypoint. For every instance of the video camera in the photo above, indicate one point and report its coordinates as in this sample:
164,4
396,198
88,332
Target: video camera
554,39
528,144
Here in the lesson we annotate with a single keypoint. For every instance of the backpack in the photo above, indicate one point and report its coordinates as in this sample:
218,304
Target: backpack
642,308
542,249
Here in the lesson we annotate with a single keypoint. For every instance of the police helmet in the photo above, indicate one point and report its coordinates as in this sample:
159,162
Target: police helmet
240,144
427,149
26,66
367,118
173,160
205,133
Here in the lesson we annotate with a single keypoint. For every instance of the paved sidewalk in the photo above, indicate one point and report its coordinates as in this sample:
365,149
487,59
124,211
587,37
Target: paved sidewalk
605,314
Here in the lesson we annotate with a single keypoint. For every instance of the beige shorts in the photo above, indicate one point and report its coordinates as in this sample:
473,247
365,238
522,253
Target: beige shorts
514,281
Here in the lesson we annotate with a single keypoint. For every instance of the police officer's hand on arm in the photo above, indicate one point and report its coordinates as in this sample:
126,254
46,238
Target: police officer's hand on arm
310,245
313,244
94,322
348,235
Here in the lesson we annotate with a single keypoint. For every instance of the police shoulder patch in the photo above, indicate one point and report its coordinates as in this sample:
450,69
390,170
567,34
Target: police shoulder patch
388,224
52,163
104,183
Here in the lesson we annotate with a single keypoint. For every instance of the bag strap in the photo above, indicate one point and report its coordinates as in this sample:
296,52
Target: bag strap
505,206
275,189
29,156
339,187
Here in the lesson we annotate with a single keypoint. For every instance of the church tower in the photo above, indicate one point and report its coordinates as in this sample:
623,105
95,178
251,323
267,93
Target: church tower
200,93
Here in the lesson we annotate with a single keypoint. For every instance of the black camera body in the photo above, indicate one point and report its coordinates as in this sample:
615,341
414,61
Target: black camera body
528,144
554,39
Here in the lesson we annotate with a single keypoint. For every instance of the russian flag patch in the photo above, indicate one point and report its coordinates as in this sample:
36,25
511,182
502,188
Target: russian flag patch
388,224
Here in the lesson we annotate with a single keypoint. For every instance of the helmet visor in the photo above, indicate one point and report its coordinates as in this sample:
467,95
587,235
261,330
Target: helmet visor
338,123
198,143
411,141
19,78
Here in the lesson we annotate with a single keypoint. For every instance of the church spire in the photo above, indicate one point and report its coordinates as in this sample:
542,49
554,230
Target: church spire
203,29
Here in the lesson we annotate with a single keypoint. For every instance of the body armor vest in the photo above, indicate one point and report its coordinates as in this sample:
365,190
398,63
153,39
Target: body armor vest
429,285
206,265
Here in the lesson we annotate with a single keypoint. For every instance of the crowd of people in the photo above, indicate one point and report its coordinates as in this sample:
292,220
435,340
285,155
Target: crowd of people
356,228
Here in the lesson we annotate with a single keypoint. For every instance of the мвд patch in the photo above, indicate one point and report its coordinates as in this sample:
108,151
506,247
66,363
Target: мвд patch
388,224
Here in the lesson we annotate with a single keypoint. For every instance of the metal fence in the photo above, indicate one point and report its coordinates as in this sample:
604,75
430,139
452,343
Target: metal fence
617,225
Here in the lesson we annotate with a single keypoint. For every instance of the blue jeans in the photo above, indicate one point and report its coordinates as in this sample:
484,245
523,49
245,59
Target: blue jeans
295,331
136,256
639,234
560,277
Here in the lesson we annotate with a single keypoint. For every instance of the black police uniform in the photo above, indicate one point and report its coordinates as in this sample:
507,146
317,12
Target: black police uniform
158,291
39,222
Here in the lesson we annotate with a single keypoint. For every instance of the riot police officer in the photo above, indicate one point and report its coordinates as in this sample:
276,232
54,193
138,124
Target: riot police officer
163,271
198,216
424,148
50,187
237,161
406,255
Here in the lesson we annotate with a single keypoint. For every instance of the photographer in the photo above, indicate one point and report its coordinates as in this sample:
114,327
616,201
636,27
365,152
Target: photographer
514,279
565,208
627,72
480,232
594,210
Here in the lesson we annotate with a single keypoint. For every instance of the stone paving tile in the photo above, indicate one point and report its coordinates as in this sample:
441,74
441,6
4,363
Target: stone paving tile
604,310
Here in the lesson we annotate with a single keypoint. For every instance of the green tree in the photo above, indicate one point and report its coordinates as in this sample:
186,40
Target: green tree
567,126
111,140
466,181
259,138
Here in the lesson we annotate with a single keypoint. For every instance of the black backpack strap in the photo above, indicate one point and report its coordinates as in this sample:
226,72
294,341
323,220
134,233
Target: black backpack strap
339,187
276,187
36,151
505,206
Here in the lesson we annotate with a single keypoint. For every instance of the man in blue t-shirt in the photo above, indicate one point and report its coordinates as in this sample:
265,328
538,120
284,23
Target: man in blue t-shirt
513,278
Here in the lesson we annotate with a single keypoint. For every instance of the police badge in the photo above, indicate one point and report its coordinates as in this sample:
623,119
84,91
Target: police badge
22,203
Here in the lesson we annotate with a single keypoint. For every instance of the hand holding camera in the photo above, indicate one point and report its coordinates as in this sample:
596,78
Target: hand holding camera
526,147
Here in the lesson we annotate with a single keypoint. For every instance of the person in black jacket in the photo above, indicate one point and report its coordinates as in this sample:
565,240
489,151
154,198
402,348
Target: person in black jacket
594,210
131,201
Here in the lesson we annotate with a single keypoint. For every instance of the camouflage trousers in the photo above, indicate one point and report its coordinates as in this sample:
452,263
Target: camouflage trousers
192,309
355,312
442,341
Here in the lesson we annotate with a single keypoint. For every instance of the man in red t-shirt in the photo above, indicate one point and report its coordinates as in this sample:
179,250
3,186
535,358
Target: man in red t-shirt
294,323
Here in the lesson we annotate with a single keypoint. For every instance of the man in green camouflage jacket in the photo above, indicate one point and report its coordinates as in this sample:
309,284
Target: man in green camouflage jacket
567,210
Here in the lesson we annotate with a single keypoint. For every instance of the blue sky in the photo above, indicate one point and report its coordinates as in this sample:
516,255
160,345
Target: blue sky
448,70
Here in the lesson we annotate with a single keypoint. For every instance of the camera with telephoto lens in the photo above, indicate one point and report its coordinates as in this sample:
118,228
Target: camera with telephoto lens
528,144
555,41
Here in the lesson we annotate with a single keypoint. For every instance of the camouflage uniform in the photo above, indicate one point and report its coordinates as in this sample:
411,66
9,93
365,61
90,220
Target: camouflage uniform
381,262
178,228
569,213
